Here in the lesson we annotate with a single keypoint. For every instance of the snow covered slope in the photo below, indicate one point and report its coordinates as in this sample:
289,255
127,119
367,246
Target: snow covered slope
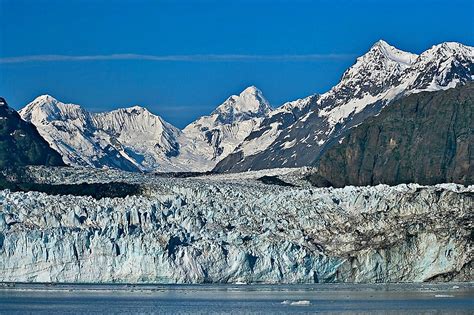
383,74
272,125
20,142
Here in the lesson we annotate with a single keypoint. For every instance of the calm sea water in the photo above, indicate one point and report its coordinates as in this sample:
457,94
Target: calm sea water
238,299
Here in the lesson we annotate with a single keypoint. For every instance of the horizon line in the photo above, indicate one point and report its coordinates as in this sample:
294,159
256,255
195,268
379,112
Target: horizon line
176,58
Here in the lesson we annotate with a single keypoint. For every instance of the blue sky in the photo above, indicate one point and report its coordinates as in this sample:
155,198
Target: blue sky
189,56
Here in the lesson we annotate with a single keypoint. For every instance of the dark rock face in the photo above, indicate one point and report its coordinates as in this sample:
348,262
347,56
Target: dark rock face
20,142
425,138
94,190
274,180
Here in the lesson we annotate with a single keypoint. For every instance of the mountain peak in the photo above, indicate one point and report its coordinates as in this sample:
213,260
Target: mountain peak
44,106
251,90
381,43
442,66
130,115
450,49
47,108
373,72
250,103
49,103
45,98
136,109
387,51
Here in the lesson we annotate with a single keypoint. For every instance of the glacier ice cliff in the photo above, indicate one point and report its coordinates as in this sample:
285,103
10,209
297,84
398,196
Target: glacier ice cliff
204,230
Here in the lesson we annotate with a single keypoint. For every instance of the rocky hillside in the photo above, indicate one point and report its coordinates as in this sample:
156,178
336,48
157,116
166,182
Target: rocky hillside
20,142
424,138
208,230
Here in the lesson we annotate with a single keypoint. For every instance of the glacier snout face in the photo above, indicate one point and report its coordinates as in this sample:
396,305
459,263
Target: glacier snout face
195,231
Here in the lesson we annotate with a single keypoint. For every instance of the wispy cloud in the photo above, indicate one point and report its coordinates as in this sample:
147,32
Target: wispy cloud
185,58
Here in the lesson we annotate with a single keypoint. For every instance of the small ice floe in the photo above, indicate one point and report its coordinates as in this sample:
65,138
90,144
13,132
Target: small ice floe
455,287
297,303
303,302
240,282
443,296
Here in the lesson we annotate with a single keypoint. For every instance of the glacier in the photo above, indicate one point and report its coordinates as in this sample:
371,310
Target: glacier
235,229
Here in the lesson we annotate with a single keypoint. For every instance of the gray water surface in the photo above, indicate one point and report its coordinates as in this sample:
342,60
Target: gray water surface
237,299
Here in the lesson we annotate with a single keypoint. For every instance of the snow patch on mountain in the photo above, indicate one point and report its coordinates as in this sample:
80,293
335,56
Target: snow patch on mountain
276,121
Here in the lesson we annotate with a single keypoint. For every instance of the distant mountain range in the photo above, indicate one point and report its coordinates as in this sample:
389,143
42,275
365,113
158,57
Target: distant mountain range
245,132
134,139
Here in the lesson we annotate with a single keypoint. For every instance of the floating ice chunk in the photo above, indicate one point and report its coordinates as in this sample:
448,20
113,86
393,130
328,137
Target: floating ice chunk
301,303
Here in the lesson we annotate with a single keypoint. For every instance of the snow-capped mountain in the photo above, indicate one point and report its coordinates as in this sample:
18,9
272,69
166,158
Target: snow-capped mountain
441,67
130,138
230,123
383,74
249,104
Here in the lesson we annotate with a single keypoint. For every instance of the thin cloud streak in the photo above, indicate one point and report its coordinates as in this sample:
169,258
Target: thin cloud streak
176,58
